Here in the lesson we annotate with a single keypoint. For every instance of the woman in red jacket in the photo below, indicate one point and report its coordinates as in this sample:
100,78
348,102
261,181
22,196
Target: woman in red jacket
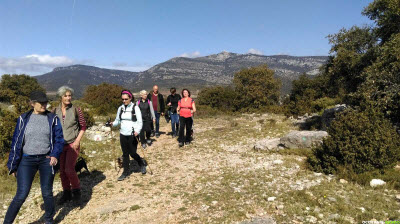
186,108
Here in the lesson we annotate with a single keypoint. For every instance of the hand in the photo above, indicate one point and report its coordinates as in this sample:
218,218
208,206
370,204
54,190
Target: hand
154,120
14,174
53,161
75,145
136,134
162,114
169,104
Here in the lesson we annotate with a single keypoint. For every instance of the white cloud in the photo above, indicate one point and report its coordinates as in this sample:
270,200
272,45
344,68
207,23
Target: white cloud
136,67
194,54
255,51
33,64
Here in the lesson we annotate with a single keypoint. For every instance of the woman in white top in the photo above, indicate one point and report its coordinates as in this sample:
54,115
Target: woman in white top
130,119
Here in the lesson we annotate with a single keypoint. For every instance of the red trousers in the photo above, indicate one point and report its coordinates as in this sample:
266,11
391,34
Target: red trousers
69,177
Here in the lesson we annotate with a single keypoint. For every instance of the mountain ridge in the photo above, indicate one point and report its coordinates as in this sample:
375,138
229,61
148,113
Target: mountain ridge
210,70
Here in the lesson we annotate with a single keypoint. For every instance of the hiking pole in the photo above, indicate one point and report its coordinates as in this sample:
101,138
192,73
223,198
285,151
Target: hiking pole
144,154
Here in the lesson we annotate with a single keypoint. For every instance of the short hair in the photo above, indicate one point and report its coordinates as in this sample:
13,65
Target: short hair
186,90
143,92
63,90
172,90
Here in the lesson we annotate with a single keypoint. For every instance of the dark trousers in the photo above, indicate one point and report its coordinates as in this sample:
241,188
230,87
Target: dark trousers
27,169
129,147
157,122
185,122
144,135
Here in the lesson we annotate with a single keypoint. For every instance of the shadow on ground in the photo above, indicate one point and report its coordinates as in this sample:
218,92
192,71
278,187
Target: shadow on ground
88,181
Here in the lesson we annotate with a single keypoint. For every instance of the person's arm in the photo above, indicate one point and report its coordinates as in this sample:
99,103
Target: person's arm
153,115
82,127
168,100
12,156
179,107
117,121
194,107
162,104
58,142
137,126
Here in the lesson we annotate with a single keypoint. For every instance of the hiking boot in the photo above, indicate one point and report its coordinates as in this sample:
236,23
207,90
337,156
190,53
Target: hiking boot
157,135
143,169
173,135
152,134
76,195
67,196
144,145
180,144
122,177
148,141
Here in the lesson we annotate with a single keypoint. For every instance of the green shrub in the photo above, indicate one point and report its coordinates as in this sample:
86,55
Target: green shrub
8,121
219,97
105,98
359,142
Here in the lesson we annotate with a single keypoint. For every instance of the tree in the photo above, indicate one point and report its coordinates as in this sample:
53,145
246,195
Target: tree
105,98
256,87
16,89
218,97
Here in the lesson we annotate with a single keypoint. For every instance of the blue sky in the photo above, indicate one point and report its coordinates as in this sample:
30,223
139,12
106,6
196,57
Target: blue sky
38,35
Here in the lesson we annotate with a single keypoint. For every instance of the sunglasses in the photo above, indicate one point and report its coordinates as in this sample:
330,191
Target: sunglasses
125,99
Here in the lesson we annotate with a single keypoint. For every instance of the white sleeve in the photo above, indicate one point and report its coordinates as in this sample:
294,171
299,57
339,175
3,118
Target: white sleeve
139,123
117,121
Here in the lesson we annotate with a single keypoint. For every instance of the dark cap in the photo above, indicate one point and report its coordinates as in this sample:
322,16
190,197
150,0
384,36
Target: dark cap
39,96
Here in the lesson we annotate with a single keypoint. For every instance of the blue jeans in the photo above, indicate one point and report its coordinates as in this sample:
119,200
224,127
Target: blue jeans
174,122
27,169
157,122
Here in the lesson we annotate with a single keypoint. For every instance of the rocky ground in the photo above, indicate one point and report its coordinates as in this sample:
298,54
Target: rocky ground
219,178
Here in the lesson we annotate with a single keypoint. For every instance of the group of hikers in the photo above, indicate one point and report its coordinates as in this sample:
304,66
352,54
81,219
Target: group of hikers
46,141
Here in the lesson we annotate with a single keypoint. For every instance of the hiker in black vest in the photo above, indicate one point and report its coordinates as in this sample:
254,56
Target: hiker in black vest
130,119
172,102
148,117
158,105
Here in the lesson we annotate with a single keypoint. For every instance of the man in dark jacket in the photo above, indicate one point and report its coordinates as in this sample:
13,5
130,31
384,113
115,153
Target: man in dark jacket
172,102
157,100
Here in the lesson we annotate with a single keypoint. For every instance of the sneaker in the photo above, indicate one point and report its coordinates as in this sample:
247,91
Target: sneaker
76,195
67,196
180,144
144,145
152,134
148,141
122,177
187,143
173,135
157,135
143,169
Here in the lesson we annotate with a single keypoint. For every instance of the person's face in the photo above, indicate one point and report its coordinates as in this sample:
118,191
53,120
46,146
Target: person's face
144,96
173,92
39,107
125,99
185,93
66,99
155,89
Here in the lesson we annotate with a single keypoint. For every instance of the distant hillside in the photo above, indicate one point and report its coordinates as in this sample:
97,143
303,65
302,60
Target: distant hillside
216,69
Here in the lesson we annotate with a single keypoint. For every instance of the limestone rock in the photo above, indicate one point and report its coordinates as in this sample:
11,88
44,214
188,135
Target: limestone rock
303,139
376,182
329,115
267,144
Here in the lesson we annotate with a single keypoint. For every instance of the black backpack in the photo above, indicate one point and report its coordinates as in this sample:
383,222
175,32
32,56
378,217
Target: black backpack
133,113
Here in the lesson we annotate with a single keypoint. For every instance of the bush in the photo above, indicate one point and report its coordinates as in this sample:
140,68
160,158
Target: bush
358,142
256,87
218,97
8,121
105,98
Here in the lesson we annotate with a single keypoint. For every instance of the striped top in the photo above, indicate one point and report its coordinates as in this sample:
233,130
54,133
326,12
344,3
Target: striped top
81,118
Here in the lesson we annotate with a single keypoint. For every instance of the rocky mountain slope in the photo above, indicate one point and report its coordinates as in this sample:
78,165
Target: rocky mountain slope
216,69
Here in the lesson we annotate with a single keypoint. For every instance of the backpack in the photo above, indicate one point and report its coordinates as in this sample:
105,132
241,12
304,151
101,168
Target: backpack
148,101
133,113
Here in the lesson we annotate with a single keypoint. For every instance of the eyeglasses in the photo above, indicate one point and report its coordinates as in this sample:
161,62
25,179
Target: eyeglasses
125,99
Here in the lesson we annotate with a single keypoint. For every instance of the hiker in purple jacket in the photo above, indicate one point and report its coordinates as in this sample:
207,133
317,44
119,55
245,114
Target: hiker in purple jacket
148,117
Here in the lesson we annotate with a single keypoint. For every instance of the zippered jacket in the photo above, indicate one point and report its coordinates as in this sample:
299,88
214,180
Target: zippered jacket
56,139
125,119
